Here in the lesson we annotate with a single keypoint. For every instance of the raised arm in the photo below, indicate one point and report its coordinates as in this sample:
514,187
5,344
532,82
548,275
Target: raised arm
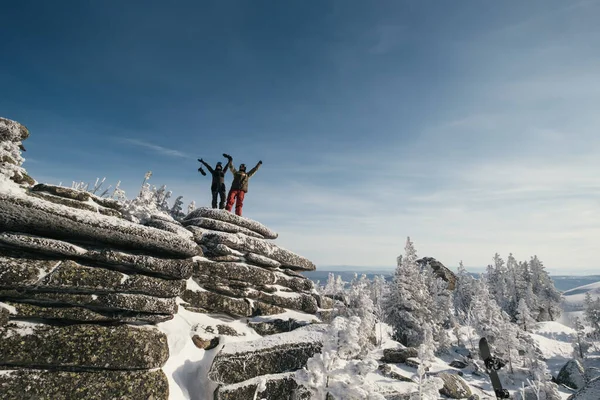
229,159
231,167
206,165
253,170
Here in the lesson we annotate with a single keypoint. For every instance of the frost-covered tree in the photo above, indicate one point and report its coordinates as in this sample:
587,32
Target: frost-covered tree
442,307
497,278
409,303
580,343
191,207
177,210
524,318
548,297
335,373
379,291
464,291
428,387
359,304
540,385
592,313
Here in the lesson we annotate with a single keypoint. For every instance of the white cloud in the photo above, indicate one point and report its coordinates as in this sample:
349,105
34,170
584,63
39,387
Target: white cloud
158,149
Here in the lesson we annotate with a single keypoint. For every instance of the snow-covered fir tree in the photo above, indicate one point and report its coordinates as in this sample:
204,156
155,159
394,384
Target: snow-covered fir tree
379,291
359,304
524,318
428,386
409,303
592,315
336,373
581,344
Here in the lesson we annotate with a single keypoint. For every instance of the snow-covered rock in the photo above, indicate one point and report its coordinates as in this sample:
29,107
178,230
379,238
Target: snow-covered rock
269,387
572,375
221,226
104,384
454,386
439,270
273,354
82,347
36,216
399,355
225,216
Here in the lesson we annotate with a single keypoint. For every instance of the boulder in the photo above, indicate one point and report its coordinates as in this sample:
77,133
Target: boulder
218,303
65,201
275,354
205,344
261,308
97,385
12,131
572,375
44,274
25,214
225,216
275,326
165,267
458,364
454,386
439,270
79,195
80,314
113,301
122,347
221,226
396,356
277,387
591,390
387,371
262,247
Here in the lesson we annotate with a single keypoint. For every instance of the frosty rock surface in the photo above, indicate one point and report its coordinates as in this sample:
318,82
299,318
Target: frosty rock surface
284,352
216,225
25,214
82,346
38,274
167,267
261,247
278,387
225,216
454,386
99,385
218,303
590,391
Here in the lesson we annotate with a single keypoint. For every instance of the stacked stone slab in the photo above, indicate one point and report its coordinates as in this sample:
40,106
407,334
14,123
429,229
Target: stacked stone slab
80,291
243,273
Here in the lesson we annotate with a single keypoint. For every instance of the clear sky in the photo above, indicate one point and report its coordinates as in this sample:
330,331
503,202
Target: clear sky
471,126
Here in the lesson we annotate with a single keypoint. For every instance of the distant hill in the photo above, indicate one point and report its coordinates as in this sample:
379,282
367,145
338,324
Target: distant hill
574,298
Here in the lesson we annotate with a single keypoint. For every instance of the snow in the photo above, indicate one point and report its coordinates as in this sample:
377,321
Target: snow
187,367
21,328
193,286
10,308
308,334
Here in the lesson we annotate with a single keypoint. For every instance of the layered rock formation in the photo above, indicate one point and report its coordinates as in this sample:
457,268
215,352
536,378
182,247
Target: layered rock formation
80,291
243,273
439,270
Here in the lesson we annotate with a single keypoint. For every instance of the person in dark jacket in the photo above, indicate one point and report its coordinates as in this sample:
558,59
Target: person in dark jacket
239,186
218,181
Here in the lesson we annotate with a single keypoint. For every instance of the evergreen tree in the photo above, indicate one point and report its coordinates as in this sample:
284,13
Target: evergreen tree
580,343
379,292
359,304
409,304
548,296
524,318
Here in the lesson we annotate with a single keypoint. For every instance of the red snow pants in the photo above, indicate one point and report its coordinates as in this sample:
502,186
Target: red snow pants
232,197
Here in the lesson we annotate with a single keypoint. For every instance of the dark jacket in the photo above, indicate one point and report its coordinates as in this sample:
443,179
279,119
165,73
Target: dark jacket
240,178
218,176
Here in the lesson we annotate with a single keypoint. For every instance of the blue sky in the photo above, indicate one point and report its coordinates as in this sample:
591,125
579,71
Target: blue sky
470,126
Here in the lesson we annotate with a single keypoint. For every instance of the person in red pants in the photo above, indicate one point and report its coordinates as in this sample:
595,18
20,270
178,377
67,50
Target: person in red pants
239,186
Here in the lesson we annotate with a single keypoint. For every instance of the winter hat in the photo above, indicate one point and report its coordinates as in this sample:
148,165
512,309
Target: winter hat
219,164
242,167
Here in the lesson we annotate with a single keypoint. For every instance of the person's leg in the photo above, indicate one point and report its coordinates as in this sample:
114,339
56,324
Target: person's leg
222,197
240,202
215,192
230,199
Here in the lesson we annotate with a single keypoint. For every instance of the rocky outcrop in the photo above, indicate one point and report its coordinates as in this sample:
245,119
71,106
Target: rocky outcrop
454,386
439,270
276,387
12,135
272,327
261,247
23,344
590,391
81,290
284,352
224,216
396,356
101,385
387,371
572,375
